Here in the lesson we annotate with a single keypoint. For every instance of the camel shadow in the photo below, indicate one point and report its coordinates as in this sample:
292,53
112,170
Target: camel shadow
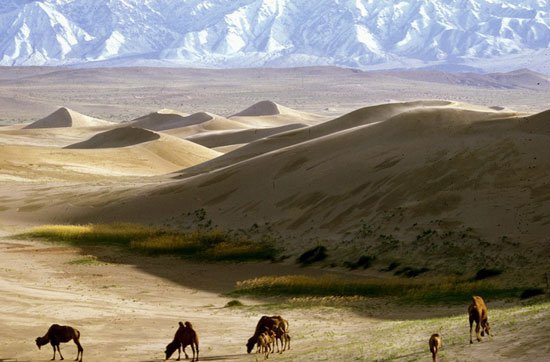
227,357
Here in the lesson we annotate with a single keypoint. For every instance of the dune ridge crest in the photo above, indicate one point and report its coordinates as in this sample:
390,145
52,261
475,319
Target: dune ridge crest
118,137
65,117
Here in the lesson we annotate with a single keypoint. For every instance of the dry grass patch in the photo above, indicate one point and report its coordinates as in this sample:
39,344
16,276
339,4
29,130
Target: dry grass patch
203,244
440,290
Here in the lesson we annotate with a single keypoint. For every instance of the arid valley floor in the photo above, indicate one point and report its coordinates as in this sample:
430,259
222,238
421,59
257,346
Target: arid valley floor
427,174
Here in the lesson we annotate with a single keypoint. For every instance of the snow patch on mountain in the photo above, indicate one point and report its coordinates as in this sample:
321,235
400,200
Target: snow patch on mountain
365,34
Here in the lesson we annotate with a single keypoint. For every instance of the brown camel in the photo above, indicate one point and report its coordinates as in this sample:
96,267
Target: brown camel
435,345
57,334
477,311
274,323
185,336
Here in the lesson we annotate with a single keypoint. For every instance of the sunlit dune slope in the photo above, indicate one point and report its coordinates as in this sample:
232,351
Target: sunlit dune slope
120,152
65,117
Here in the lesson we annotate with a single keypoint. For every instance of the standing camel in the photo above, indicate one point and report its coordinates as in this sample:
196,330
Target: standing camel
477,312
57,334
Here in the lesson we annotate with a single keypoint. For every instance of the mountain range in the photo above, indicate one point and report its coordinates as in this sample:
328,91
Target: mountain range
365,34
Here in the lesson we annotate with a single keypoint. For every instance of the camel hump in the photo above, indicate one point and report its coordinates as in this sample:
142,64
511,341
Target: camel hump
188,324
181,324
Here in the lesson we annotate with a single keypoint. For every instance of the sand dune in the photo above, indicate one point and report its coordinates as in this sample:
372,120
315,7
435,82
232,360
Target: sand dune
232,137
399,176
270,114
356,118
400,168
184,125
65,117
119,137
161,120
122,152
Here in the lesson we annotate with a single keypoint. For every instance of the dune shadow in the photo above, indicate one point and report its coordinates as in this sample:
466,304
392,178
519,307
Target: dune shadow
215,277
221,278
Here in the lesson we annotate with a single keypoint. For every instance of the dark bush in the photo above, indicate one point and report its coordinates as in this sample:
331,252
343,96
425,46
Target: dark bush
390,267
365,261
411,272
487,273
314,255
531,292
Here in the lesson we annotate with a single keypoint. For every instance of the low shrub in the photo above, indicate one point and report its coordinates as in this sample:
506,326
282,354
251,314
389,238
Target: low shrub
365,261
411,272
311,256
531,292
390,267
487,273
233,303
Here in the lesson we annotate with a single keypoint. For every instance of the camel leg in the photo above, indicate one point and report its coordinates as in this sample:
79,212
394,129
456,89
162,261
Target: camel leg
185,353
477,331
471,323
197,345
60,355
179,353
53,358
80,352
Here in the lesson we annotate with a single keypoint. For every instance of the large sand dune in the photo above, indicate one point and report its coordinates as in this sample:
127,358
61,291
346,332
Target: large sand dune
119,137
356,118
271,114
65,117
108,155
421,162
428,164
232,137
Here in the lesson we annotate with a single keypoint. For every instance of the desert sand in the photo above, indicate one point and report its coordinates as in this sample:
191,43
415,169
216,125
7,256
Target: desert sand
386,164
127,308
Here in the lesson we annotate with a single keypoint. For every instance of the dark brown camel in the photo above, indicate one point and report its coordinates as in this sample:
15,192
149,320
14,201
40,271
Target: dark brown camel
274,323
57,334
185,336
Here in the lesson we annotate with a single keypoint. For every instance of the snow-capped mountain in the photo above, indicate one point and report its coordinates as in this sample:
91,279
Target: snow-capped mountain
242,33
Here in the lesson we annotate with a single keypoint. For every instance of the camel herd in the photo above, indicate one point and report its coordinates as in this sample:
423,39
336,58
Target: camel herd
269,333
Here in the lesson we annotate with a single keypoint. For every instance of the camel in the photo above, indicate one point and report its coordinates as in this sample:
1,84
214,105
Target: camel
57,334
265,343
435,345
477,311
185,336
274,323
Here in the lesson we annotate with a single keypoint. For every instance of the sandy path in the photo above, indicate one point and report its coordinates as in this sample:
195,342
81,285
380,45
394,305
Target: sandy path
128,310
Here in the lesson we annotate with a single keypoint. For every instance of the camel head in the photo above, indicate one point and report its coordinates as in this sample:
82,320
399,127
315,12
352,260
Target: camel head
171,348
250,344
40,341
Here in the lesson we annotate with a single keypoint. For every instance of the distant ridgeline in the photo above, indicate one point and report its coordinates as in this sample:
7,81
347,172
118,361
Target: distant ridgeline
453,35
